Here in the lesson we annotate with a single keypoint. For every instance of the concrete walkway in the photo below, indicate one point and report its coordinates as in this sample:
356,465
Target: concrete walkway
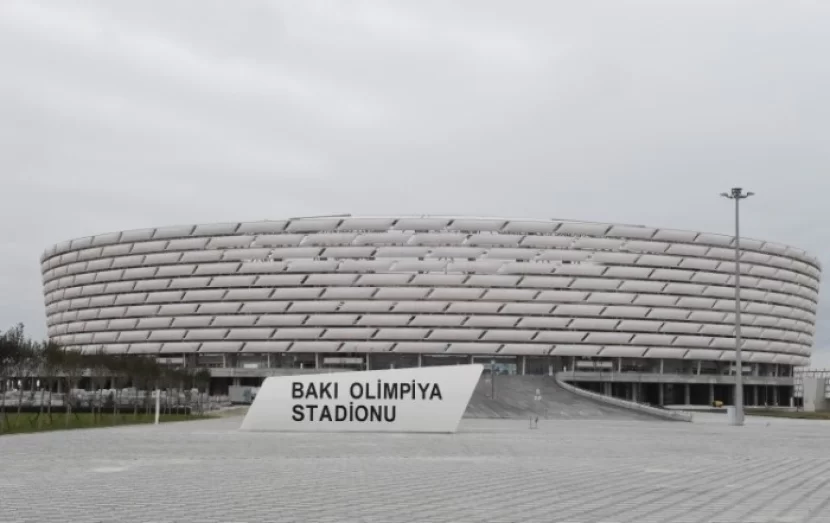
492,471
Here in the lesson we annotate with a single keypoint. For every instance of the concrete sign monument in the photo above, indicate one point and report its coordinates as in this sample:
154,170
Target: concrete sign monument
423,399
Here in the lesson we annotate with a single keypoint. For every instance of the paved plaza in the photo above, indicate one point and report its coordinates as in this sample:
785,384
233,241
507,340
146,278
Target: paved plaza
492,471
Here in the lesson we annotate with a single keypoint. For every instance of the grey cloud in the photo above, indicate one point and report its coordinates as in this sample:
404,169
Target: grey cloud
132,114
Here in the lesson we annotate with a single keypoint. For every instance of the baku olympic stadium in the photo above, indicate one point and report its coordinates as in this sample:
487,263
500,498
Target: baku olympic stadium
636,312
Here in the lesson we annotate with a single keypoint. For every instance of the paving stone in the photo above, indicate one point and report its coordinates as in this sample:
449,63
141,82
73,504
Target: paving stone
572,470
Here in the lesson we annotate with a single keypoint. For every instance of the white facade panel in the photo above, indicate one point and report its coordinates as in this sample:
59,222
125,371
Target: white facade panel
462,285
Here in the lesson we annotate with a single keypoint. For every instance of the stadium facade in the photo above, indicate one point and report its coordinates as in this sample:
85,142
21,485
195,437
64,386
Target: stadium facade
638,312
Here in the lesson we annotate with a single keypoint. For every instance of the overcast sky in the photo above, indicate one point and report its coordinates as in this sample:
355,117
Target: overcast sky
129,114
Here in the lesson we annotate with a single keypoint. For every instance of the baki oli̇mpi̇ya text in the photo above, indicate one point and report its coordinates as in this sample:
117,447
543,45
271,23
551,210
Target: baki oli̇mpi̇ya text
358,392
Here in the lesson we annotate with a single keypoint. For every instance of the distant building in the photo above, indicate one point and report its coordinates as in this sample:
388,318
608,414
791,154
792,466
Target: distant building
637,312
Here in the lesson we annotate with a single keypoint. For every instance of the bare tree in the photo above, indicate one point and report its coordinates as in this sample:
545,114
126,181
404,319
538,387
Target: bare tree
73,369
10,342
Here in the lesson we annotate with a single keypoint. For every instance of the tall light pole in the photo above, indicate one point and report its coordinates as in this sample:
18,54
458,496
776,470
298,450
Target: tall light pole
737,194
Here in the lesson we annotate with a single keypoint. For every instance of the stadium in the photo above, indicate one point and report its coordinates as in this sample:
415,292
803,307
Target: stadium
639,313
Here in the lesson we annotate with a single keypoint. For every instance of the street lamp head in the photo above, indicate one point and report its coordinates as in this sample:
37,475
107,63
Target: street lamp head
725,195
749,193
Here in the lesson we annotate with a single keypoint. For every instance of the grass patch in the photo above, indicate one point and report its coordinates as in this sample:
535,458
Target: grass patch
788,414
28,422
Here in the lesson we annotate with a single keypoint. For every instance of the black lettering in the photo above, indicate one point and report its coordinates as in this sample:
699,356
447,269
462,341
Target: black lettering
375,413
298,413
296,390
423,388
390,391
369,392
311,392
324,390
341,413
356,395
406,388
325,413
386,413
435,392
361,413
311,409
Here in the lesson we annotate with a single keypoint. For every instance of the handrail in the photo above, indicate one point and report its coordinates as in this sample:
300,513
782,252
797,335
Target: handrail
625,404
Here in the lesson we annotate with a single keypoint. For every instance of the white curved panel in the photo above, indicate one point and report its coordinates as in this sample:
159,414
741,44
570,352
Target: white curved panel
692,341
695,303
628,272
206,334
703,354
436,320
613,258
402,334
455,334
494,240
437,280
595,284
653,339
474,307
421,224
401,293
281,320
654,300
410,266
218,308
617,298
324,280
384,320
576,310
296,293
525,268
234,321
655,260
509,294
627,351
216,229
365,224
144,348
229,242
643,286
621,311
247,294
580,269
383,238
253,333
526,308
534,322
186,244
313,306
348,293
216,268
504,253
613,338
639,325
482,321
595,288
560,336
186,322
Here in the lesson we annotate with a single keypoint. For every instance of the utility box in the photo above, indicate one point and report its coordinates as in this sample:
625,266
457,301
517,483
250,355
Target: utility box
814,394
242,395
731,414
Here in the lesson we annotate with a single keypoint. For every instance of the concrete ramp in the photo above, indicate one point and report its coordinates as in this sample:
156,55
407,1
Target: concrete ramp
515,399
